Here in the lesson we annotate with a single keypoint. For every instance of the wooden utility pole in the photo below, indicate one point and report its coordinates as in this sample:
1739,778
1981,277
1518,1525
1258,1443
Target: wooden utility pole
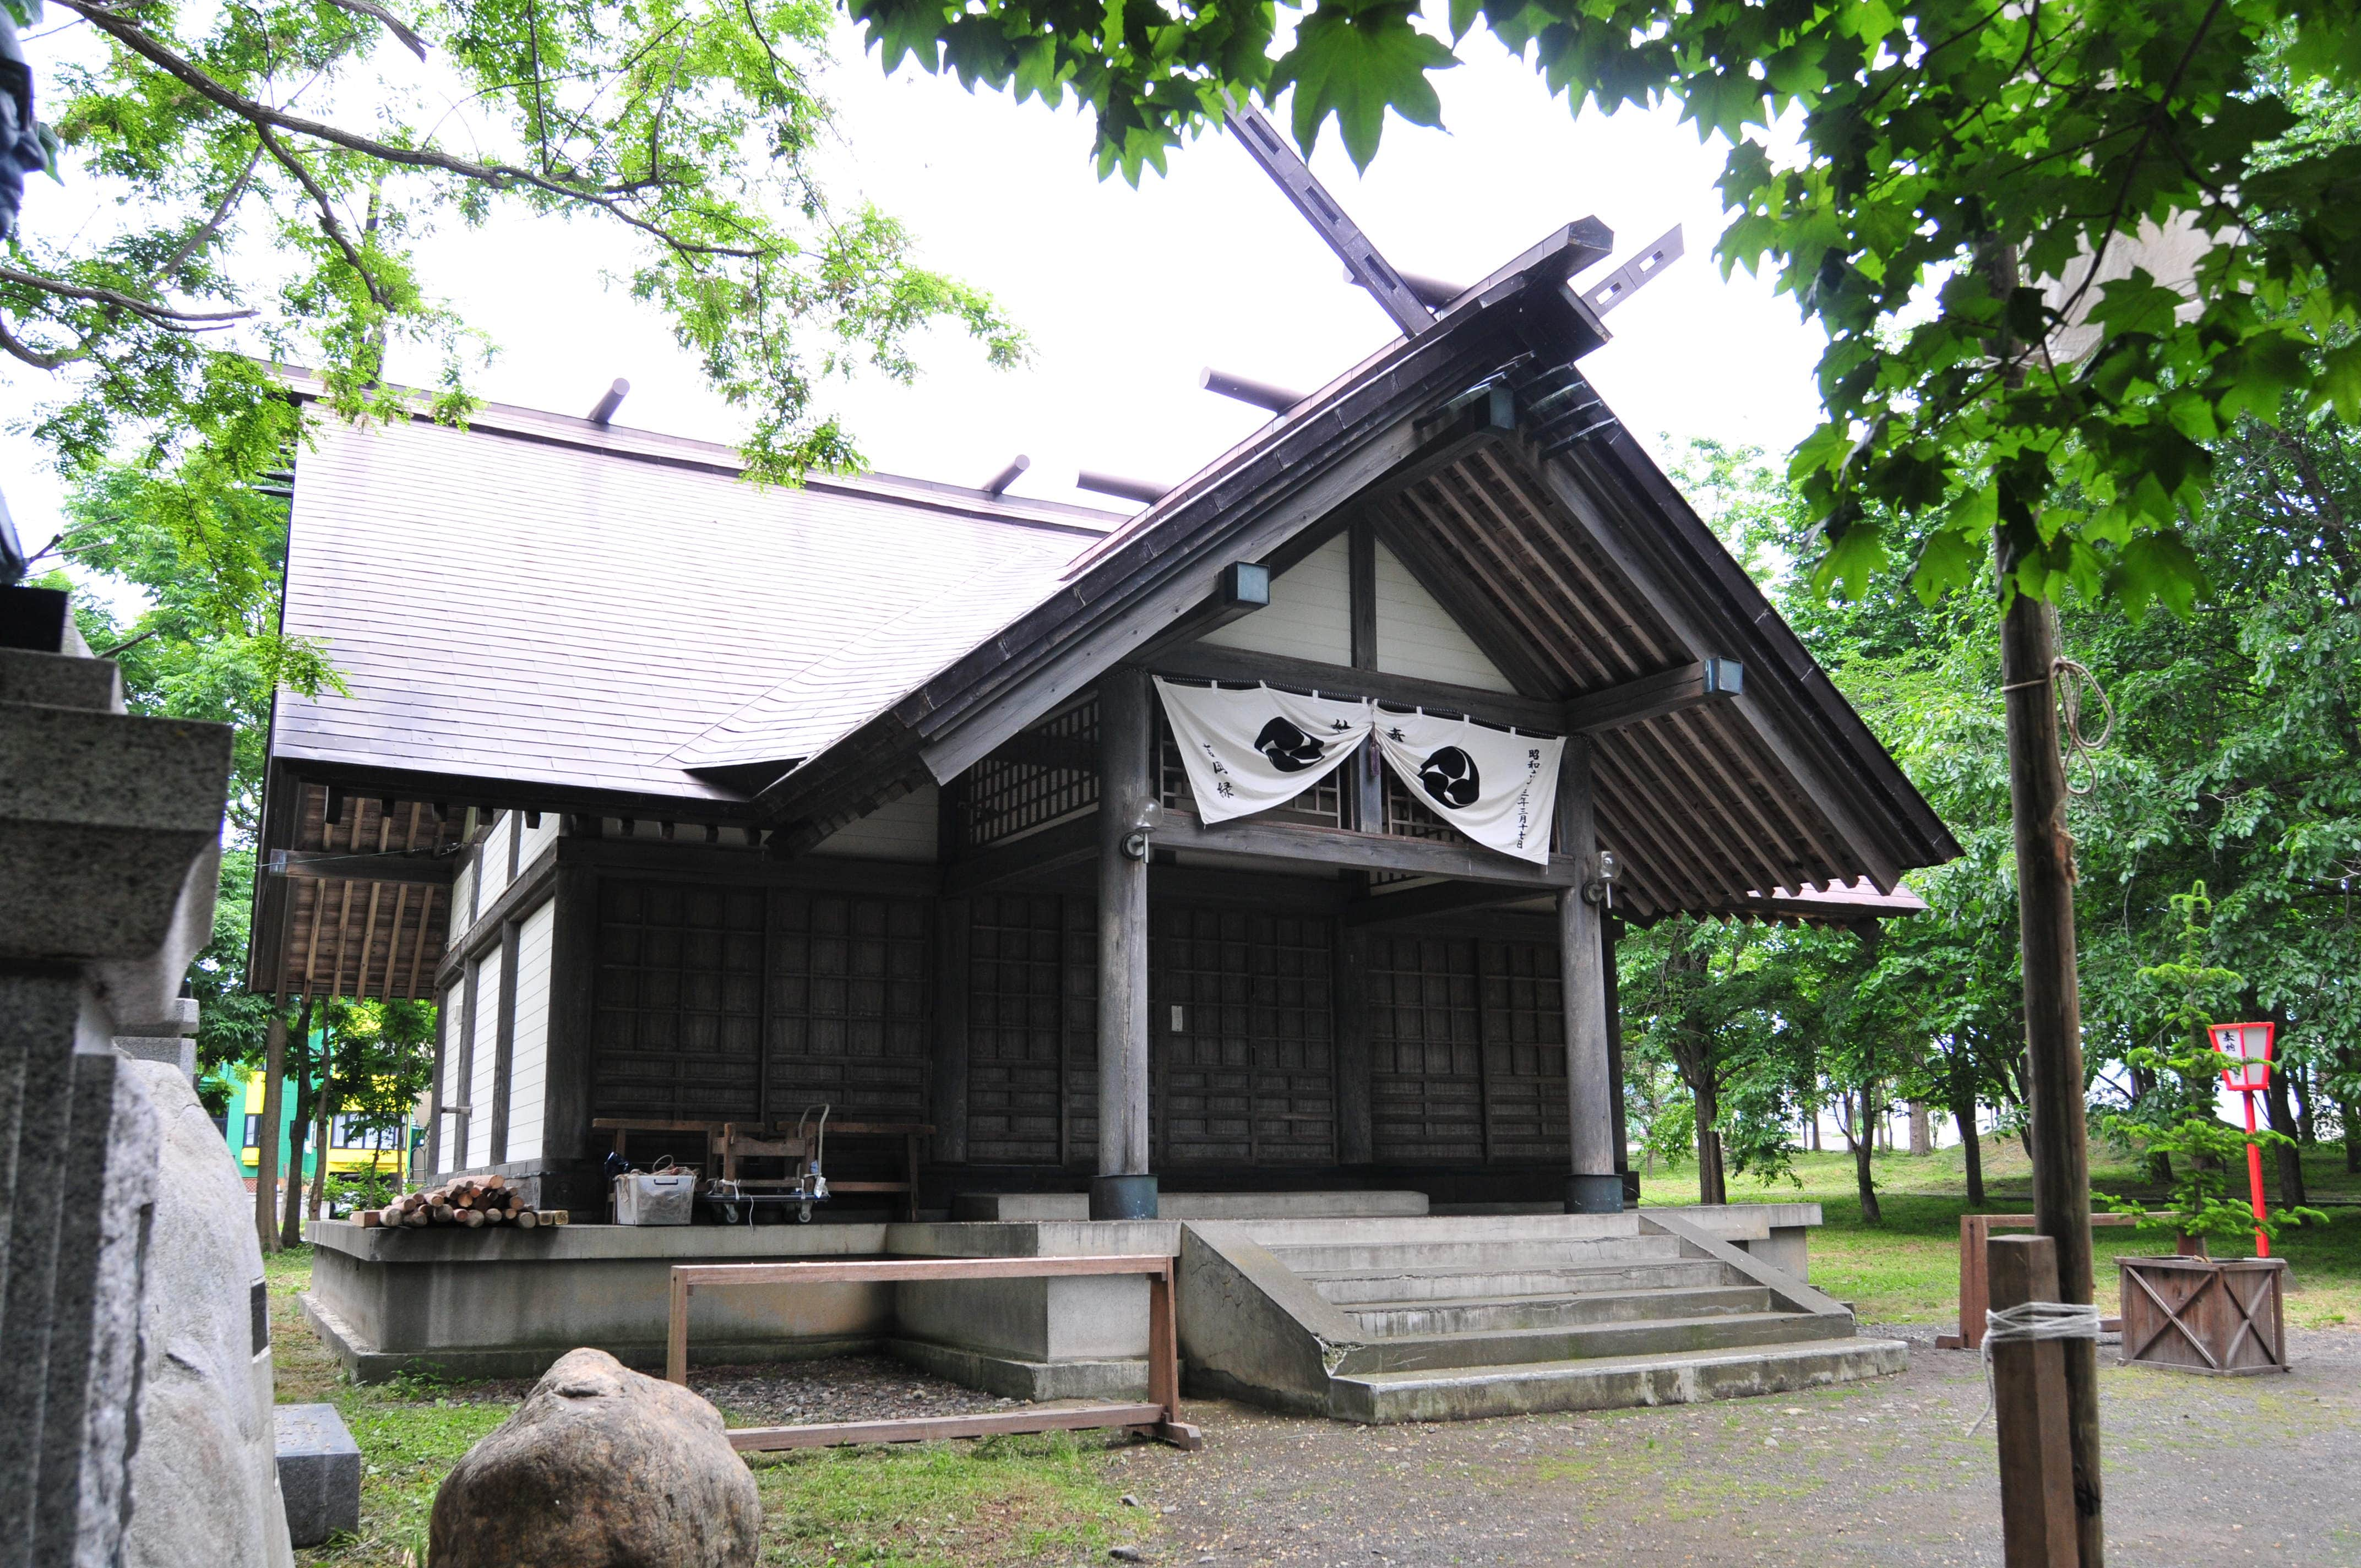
266,1135
2053,1015
2038,1513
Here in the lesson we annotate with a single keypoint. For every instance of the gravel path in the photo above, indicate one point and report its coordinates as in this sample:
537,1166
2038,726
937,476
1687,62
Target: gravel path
839,1389
2200,1471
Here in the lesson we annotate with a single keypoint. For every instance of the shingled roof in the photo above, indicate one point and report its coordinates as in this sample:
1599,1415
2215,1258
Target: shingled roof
541,606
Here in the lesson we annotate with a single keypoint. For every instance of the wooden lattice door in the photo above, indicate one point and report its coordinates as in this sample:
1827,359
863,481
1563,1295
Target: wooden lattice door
1241,1038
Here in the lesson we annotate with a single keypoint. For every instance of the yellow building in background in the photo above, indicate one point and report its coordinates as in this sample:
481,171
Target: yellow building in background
351,1149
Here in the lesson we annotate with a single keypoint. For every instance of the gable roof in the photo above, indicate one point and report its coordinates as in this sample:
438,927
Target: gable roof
1497,474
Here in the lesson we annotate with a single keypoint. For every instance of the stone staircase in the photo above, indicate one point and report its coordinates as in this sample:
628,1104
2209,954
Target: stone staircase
1452,1317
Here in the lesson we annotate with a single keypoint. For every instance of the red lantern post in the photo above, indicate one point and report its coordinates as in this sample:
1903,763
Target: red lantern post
2248,1049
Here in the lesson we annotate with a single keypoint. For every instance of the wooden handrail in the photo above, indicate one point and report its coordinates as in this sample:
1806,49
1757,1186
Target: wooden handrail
1160,1417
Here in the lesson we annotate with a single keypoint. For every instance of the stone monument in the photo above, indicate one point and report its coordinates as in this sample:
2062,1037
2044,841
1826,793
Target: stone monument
130,1282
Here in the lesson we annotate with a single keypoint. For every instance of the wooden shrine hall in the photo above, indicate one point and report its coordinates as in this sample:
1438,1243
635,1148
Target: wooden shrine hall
689,801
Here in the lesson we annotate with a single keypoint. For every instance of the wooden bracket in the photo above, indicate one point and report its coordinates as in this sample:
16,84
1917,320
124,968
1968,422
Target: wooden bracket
1651,696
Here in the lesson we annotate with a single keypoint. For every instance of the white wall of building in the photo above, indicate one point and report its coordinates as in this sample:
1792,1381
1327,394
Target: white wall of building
483,1030
529,1041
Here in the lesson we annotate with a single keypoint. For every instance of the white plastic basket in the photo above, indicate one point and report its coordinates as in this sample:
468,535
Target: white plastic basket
662,1198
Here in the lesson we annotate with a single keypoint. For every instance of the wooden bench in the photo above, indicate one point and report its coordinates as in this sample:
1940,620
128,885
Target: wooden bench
1158,1416
1975,1289
776,1141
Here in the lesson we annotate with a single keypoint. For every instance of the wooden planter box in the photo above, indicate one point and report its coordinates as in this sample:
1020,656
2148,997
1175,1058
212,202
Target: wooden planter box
2219,1315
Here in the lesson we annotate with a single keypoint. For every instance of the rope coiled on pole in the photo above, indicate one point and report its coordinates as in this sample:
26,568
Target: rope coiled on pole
2030,1324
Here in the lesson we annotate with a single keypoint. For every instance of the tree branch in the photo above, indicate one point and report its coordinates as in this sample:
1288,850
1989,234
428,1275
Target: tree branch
500,176
162,315
329,223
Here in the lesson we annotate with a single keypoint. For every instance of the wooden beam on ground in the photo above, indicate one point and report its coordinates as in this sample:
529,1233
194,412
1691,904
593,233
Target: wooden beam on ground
1364,851
930,1429
1199,662
1651,696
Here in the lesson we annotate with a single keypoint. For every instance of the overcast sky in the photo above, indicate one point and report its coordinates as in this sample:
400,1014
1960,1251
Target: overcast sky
1126,293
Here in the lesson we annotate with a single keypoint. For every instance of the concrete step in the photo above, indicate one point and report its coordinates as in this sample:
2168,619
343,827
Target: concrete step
1351,1288
1492,1313
1645,1336
1490,1255
1418,1229
1610,1382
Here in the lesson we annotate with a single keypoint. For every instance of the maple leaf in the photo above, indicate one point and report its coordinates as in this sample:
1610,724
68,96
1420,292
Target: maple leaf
1355,62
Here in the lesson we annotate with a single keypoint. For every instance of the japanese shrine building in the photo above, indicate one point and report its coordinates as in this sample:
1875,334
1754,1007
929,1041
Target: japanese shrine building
690,800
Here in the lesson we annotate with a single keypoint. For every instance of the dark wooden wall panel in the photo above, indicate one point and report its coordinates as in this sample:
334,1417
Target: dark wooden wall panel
849,1008
1082,1108
1250,1076
678,1014
1467,1051
1426,1069
1524,1051
1015,1027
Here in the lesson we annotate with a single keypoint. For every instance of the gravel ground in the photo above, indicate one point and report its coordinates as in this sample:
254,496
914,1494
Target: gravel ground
840,1389
2200,1471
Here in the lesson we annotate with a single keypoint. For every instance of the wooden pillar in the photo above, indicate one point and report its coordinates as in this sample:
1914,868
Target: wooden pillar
1364,772
1593,1188
1611,930
2053,1014
2036,1471
1356,1140
567,1106
1122,1188
266,1135
950,1114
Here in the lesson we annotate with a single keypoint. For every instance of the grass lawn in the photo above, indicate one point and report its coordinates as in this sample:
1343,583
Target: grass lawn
1000,1500
1907,1269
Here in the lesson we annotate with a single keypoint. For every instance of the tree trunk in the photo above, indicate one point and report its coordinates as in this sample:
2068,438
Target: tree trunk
2306,1094
1864,1150
1971,1149
320,1148
2290,1157
2053,1010
2348,1116
1711,1189
1922,1131
299,1127
266,1137
1816,1129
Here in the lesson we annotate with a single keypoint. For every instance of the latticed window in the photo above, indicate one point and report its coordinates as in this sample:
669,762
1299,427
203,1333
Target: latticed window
1407,816
1044,775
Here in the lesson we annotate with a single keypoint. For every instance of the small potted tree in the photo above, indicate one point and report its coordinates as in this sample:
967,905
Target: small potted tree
2192,1310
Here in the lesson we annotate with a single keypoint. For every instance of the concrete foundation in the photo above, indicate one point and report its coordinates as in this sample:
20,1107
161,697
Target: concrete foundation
1279,1305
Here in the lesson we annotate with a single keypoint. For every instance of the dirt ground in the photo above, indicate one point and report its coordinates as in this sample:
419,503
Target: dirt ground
2199,1471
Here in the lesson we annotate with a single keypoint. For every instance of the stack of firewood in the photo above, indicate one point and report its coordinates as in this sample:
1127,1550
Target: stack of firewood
474,1201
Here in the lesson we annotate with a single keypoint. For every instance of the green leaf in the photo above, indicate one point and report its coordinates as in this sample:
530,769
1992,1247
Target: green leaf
2340,381
2156,567
1356,62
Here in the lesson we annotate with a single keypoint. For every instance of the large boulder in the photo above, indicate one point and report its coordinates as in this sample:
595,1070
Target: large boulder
601,1467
